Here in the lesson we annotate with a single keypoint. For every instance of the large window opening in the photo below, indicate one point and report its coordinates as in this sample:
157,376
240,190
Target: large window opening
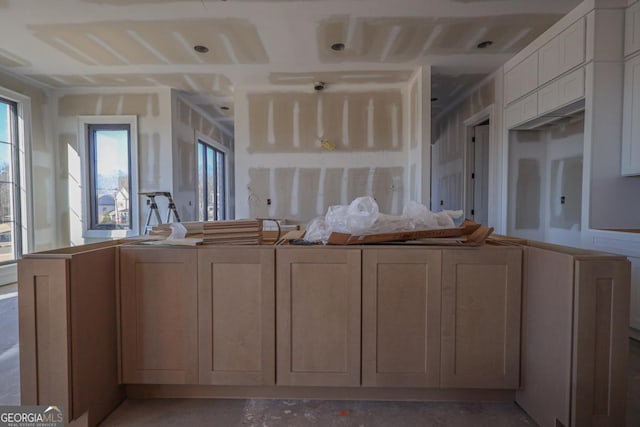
10,224
212,195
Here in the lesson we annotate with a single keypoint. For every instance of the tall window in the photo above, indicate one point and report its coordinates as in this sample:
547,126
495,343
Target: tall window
212,196
109,161
110,176
10,236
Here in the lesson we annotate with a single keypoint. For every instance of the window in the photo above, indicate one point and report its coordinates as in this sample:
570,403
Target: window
10,227
110,176
212,195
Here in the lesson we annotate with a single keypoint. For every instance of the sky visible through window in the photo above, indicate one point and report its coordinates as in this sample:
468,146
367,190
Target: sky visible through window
112,152
4,134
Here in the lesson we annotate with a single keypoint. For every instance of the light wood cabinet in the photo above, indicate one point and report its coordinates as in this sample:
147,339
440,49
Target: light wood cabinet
68,331
236,316
401,317
158,297
575,344
481,294
632,30
631,118
564,52
318,316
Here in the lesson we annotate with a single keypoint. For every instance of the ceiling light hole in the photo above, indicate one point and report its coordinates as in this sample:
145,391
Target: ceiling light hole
337,47
200,48
224,108
434,99
484,44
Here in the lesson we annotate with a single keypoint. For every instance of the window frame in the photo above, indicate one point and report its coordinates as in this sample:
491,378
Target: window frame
87,157
200,138
23,212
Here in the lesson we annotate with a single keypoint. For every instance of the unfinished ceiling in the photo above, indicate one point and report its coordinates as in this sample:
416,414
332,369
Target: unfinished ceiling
96,43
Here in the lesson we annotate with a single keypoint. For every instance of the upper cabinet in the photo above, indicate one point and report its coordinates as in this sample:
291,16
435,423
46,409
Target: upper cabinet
562,53
544,80
631,118
632,30
521,79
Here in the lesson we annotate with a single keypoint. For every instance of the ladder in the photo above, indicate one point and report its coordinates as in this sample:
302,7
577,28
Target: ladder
153,209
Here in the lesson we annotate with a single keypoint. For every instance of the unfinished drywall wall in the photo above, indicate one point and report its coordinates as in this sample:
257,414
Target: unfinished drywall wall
418,122
153,110
189,124
284,171
352,121
545,182
48,224
449,139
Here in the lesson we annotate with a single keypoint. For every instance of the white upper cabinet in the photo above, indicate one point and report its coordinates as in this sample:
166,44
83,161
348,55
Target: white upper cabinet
561,91
632,30
631,119
521,79
564,52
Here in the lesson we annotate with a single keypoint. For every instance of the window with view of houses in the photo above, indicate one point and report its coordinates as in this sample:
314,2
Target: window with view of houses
212,196
109,156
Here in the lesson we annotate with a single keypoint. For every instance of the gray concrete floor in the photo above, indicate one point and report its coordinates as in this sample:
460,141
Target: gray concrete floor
272,413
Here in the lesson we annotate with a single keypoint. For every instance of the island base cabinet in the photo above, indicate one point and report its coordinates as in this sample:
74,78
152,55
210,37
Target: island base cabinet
318,316
401,317
236,316
481,297
158,303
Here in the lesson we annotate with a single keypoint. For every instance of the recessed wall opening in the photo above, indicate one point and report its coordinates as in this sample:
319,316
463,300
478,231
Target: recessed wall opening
545,181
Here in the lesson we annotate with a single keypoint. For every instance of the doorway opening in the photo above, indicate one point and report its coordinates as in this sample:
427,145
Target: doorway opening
477,171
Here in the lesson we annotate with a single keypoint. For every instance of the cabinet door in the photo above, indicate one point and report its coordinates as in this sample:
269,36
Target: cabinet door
401,317
522,110
236,316
564,52
632,29
318,316
158,305
631,119
481,295
521,79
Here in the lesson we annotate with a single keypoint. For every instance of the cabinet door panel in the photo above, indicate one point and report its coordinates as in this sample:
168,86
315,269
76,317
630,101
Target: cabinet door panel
318,317
572,46
631,119
401,317
236,312
158,312
481,295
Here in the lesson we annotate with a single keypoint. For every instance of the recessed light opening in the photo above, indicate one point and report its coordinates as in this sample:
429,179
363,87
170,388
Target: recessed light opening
337,47
484,44
200,48
434,99
224,107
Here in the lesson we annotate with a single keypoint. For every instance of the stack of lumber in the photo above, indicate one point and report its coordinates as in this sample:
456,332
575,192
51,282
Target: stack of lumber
162,231
237,232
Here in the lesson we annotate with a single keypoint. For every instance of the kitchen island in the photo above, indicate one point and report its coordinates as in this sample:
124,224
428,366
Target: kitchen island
538,324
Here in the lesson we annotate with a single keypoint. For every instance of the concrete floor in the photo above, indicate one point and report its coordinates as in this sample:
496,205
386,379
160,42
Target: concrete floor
290,413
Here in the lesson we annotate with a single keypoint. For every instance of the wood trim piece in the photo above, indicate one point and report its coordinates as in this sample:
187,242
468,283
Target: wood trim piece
339,301
601,316
411,311
245,277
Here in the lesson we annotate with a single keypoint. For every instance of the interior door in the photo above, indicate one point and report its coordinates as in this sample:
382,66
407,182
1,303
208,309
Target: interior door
480,173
